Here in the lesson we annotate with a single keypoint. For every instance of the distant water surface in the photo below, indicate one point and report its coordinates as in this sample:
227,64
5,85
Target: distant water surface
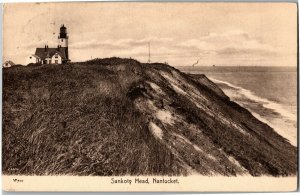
270,93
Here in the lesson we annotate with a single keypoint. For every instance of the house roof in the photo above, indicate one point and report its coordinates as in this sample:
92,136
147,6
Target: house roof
49,52
9,62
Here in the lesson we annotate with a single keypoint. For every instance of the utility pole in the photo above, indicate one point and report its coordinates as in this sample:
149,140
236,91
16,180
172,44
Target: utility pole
149,61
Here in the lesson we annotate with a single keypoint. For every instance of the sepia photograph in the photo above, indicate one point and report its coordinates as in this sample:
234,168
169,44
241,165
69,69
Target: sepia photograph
140,96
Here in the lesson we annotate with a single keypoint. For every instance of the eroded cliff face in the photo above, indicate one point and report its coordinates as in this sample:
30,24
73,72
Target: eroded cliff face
208,133
120,117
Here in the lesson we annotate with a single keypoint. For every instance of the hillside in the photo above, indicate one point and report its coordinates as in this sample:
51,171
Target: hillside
118,117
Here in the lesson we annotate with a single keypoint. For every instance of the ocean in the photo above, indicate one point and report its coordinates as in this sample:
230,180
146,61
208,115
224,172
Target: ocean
269,93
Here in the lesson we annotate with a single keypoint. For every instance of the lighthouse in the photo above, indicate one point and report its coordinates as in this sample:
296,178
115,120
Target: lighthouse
63,40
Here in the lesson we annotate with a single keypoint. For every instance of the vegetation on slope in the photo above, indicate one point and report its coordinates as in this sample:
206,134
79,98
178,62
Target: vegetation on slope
117,117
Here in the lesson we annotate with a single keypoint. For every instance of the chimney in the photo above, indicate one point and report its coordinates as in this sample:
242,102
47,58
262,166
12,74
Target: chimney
45,47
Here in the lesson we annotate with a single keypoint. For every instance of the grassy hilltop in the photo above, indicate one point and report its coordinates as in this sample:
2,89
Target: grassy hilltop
118,117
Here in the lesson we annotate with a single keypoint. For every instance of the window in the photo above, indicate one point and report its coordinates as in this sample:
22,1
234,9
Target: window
56,61
30,57
56,55
62,40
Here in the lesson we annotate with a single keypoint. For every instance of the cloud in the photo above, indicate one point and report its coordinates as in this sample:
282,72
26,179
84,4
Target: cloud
246,52
120,44
237,41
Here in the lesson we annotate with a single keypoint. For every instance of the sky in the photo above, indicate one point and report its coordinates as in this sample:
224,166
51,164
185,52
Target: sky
181,34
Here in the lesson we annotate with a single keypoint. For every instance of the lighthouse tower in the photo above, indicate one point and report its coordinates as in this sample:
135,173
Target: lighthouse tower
63,41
